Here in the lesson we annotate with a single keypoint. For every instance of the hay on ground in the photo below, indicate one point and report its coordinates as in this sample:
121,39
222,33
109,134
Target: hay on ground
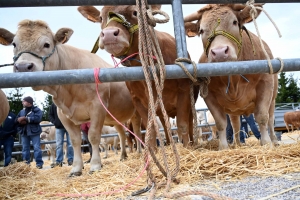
20,181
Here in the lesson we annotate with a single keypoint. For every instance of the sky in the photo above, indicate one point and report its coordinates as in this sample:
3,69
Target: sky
285,15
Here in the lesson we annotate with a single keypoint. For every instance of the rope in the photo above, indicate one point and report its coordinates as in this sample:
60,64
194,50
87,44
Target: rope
202,82
195,192
5,65
148,45
253,13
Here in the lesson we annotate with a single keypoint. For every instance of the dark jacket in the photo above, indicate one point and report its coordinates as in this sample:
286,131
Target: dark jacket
8,127
54,118
34,117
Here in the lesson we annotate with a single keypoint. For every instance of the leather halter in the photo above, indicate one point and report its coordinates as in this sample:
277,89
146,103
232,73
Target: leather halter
43,58
226,34
132,28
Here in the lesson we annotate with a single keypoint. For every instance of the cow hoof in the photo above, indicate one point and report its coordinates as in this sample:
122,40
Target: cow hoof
104,157
123,158
73,174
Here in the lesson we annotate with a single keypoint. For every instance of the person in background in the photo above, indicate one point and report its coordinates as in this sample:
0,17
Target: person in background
59,135
243,128
8,131
85,129
28,126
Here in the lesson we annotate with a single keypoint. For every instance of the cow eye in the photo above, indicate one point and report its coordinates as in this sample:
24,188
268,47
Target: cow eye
134,13
235,22
201,31
14,44
46,45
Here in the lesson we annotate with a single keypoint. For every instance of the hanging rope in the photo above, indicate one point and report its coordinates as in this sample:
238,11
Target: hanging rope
148,45
253,13
203,84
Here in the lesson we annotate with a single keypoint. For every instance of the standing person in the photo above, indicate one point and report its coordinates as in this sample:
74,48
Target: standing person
85,129
28,125
59,134
250,120
8,131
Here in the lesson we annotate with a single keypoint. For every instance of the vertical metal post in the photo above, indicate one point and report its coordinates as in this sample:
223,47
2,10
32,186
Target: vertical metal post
179,30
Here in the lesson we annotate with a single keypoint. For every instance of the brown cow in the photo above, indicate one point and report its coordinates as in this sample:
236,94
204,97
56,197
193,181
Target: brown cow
76,103
4,108
223,37
292,118
120,37
48,134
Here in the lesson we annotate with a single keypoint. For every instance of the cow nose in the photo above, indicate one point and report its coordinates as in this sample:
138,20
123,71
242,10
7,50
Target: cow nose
220,54
109,33
23,67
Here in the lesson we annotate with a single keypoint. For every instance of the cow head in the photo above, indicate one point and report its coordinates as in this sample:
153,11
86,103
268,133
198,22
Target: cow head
119,26
220,27
34,45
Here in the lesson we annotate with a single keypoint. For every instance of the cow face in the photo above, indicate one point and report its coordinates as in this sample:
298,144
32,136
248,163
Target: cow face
34,45
220,27
119,26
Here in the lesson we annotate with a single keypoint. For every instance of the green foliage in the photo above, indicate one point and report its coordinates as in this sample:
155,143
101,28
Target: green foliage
15,100
46,106
288,90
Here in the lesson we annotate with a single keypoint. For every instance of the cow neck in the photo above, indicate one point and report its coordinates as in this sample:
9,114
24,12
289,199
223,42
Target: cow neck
132,28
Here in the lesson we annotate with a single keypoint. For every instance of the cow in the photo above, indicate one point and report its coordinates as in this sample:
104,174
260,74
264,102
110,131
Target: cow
224,38
120,37
113,141
4,108
292,118
77,103
48,134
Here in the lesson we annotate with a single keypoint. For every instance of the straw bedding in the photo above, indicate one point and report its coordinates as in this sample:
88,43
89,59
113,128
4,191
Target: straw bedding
19,181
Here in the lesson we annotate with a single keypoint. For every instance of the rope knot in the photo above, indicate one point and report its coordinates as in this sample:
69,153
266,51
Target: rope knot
152,20
201,81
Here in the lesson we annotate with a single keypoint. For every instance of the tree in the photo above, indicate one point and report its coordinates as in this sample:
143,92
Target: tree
46,106
288,90
15,100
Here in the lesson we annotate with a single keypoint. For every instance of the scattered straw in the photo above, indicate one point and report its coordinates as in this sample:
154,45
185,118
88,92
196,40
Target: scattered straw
19,181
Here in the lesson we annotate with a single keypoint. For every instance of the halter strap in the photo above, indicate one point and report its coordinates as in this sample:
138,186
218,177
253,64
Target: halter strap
226,34
132,28
43,58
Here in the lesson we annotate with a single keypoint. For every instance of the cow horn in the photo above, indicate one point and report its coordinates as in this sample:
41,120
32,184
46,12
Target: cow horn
192,17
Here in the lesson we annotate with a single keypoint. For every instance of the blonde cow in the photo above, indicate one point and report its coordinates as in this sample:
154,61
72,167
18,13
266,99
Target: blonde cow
48,134
37,48
4,108
112,141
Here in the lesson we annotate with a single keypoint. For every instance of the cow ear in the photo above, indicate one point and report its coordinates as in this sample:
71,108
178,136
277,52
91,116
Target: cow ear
63,35
155,7
191,29
91,13
245,16
6,37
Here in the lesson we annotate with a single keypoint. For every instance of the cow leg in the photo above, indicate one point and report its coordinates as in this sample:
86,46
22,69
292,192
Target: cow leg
262,119
116,145
235,122
220,120
75,136
122,136
105,150
136,124
271,123
183,115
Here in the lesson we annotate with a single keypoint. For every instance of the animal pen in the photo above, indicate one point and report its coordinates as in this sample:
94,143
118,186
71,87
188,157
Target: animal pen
195,164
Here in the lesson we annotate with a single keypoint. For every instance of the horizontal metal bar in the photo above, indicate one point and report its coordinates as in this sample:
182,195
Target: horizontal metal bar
35,3
81,76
